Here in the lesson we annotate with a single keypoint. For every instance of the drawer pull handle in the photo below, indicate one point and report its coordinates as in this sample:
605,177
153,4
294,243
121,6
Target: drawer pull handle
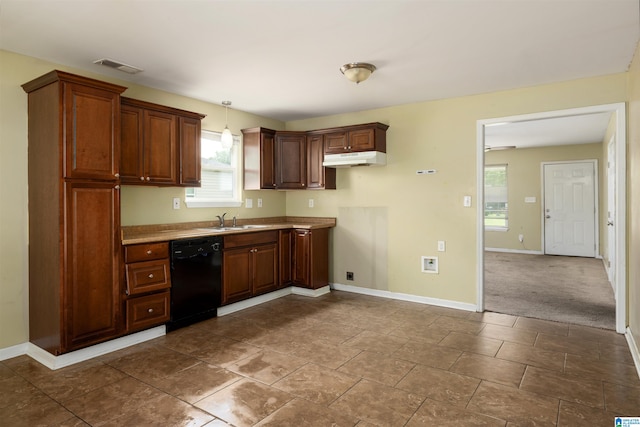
150,276
149,252
150,310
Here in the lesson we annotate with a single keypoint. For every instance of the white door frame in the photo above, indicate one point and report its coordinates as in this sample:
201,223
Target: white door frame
596,197
619,112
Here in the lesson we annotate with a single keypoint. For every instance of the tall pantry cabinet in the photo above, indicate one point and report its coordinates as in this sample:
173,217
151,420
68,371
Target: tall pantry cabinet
74,211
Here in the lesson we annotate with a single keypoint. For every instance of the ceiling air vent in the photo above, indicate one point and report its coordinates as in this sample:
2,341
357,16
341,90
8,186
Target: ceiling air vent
118,65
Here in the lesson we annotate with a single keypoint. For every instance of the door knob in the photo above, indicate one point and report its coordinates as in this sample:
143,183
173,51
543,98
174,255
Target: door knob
610,223
547,216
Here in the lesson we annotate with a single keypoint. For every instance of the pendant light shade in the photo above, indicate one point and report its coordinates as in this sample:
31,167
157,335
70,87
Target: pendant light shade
357,71
227,136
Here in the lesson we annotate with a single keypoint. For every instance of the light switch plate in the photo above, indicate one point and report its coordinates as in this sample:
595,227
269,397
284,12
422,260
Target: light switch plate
176,203
311,203
259,203
248,203
441,246
466,201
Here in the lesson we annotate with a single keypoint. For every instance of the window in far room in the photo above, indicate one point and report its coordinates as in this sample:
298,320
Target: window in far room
496,208
220,186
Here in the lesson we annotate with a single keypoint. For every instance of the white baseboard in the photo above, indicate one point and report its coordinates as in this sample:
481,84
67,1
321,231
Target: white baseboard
67,359
514,251
251,302
261,299
313,293
13,351
633,347
404,297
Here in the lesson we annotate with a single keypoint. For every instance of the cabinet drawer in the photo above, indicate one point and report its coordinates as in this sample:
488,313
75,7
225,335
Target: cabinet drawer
147,276
250,239
145,312
146,252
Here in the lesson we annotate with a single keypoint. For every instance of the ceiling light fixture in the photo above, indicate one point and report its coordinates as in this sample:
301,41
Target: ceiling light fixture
357,71
227,136
120,66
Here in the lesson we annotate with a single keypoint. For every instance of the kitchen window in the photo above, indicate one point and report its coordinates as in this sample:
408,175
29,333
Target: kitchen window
496,207
220,175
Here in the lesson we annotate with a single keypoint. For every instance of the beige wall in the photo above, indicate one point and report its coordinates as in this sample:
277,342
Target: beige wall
633,200
139,205
524,180
409,213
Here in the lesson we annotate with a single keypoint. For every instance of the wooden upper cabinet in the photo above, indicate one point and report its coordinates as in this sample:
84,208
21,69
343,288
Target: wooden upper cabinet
318,177
160,145
91,120
291,163
190,159
365,137
335,142
259,158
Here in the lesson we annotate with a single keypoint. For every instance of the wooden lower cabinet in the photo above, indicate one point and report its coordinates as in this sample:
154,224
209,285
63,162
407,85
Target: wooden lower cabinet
147,284
310,260
249,265
285,240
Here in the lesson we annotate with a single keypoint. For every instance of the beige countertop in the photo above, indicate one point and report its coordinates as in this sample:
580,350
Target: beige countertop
164,232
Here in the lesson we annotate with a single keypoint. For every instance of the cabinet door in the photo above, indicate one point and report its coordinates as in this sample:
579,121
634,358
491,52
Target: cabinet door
291,168
236,275
267,160
91,120
335,142
301,258
286,257
361,140
190,161
91,280
132,146
160,147
265,268
318,177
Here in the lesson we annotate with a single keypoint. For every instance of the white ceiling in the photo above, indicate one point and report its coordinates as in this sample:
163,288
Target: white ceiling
569,130
281,59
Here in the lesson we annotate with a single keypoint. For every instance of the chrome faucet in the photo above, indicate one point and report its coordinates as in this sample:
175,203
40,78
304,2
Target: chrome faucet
221,218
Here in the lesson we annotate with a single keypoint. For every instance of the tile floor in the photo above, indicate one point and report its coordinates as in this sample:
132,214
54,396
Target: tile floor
339,360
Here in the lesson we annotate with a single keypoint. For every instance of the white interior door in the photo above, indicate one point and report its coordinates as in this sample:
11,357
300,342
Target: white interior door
611,212
569,209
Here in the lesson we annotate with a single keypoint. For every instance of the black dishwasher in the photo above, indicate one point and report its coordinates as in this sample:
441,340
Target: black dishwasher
196,273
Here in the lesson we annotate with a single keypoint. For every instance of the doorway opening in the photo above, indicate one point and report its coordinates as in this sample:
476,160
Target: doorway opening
487,129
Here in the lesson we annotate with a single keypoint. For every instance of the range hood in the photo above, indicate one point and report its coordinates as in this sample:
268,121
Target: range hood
362,158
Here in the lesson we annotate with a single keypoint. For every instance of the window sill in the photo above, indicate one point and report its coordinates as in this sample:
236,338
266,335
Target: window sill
203,203
500,229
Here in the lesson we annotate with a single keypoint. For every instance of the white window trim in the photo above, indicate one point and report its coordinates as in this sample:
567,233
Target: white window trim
218,203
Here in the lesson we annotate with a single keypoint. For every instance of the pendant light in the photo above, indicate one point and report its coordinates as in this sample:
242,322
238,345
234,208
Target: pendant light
227,137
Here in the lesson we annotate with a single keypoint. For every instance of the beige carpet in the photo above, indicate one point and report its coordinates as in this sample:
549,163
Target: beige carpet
565,289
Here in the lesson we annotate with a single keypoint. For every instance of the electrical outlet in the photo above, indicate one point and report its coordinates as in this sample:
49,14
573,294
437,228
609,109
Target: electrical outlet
176,203
259,203
311,203
466,201
349,275
441,246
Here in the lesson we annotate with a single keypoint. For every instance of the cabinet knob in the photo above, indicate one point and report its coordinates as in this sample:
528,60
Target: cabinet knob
117,175
150,310
142,178
149,251
349,147
303,184
117,187
148,179
150,276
